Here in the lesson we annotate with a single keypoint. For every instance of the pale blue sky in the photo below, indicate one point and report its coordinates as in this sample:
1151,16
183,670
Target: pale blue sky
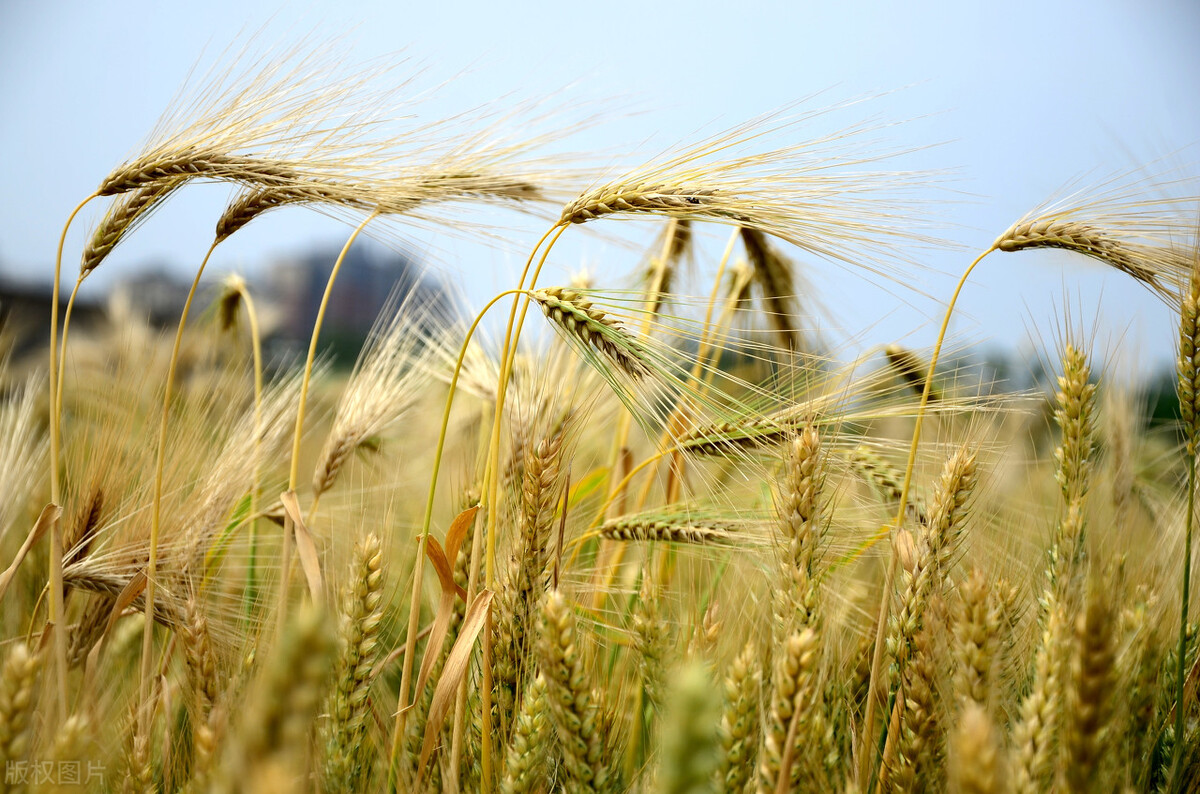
1024,97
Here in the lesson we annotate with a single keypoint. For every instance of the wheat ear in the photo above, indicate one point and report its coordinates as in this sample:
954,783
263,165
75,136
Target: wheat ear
634,529
912,742
274,737
579,319
1036,732
180,166
795,717
739,724
976,632
125,214
976,761
528,748
802,530
1188,373
888,483
909,367
523,587
773,272
1082,238
1089,696
937,547
572,706
676,243
202,671
362,615
18,681
690,735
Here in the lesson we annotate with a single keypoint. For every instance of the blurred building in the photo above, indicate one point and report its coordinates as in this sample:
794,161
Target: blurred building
287,297
25,318
368,279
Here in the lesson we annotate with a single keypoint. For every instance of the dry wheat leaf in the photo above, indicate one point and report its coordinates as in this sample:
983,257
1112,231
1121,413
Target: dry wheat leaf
128,595
458,531
445,610
310,561
450,590
50,514
452,673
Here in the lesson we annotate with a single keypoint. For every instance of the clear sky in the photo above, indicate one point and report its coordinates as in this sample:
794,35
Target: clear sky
1024,99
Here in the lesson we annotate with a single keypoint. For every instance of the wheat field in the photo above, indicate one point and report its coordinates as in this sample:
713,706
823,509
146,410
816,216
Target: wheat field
656,535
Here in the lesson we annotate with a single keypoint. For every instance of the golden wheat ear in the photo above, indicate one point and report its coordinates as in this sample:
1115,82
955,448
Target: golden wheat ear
122,218
591,328
816,195
1142,238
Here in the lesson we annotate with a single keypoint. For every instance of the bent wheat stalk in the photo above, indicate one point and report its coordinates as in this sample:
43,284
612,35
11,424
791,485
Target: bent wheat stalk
156,505
55,613
302,401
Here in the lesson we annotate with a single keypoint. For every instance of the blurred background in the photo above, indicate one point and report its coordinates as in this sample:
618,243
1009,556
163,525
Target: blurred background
1015,103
